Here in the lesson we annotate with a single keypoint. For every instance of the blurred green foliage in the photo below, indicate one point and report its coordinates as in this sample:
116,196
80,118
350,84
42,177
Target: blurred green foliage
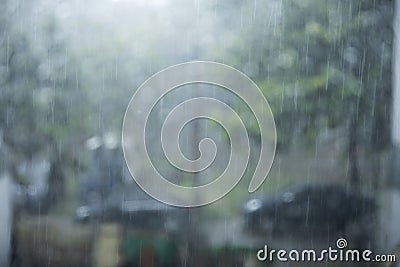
68,71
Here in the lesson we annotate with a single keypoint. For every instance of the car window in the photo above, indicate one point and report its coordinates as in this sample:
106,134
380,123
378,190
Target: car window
194,133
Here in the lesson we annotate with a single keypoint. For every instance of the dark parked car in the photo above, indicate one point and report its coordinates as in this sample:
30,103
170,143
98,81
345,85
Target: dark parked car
319,206
108,193
128,203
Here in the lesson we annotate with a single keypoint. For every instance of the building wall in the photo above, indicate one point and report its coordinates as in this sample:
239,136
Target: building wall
388,232
396,78
5,219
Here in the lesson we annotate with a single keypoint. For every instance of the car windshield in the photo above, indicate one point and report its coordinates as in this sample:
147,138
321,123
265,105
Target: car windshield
196,133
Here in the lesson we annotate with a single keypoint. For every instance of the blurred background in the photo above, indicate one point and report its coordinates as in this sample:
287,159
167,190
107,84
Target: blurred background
68,69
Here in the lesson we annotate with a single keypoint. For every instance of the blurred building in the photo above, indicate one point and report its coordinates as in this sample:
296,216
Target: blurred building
388,235
5,218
